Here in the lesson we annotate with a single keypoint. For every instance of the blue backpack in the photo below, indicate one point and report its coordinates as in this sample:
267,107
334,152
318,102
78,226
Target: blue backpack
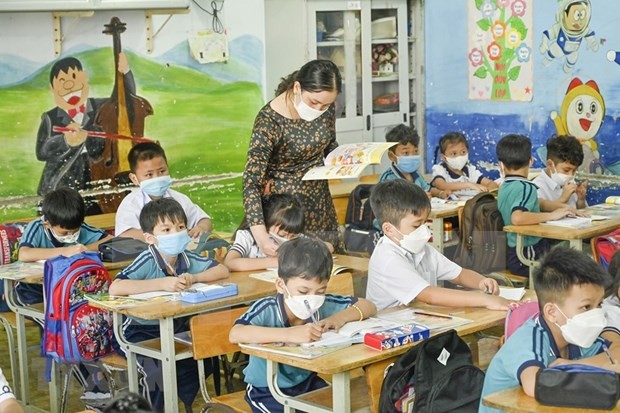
75,331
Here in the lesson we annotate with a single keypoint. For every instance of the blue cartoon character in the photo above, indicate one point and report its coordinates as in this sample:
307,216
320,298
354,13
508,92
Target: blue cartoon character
564,37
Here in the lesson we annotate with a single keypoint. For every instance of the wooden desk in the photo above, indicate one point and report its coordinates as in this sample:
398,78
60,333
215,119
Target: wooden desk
339,364
574,236
514,400
105,222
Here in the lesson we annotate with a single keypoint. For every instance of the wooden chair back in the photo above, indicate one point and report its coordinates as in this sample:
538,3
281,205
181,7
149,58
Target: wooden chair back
341,284
374,378
210,333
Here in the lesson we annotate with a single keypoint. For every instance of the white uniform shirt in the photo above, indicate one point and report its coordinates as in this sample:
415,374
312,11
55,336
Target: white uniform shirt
470,174
246,246
549,190
5,390
396,276
128,214
611,307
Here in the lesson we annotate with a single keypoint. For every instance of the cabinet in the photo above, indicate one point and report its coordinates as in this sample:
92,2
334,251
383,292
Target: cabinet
79,5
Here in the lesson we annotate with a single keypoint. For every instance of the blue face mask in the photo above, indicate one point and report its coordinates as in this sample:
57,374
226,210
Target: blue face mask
173,244
408,164
156,186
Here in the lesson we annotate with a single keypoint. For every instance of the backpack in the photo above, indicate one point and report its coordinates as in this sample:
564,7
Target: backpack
74,331
439,372
482,245
604,247
360,234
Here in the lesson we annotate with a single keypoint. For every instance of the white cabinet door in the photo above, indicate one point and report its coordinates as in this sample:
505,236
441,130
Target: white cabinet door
68,5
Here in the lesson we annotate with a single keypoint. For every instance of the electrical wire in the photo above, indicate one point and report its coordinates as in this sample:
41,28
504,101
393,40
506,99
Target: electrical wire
216,23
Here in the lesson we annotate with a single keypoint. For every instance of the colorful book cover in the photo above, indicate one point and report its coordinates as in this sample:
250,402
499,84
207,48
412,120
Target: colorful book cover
348,161
396,337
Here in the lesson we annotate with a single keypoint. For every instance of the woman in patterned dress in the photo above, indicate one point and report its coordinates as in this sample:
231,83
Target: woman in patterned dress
293,133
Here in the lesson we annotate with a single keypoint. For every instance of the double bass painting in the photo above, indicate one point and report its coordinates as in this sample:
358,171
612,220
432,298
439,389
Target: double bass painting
84,141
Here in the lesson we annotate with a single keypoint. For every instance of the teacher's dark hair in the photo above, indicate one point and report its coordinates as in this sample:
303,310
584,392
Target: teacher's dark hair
315,76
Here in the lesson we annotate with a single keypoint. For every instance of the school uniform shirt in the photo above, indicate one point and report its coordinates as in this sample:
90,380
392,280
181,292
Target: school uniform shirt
549,190
246,245
394,173
470,174
5,390
270,312
532,344
396,276
128,213
611,307
517,194
151,265
37,236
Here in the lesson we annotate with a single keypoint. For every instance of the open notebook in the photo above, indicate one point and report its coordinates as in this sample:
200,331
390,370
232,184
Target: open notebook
272,273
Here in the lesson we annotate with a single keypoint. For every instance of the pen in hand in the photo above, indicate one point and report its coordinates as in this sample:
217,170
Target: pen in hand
606,350
314,320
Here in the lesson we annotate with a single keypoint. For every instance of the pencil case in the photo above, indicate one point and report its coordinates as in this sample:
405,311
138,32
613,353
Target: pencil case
212,292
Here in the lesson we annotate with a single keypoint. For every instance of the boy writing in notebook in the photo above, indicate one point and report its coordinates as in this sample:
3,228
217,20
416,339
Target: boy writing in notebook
165,265
403,267
517,200
299,313
149,171
570,288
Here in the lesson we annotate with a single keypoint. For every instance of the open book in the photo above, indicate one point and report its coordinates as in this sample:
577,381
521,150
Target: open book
432,320
295,350
19,270
117,301
570,221
272,273
348,161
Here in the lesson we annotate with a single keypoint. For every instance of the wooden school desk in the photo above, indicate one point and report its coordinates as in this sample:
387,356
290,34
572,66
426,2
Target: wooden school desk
166,349
514,400
574,236
339,364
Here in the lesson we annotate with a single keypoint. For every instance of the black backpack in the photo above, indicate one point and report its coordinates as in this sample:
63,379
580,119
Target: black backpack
482,245
360,234
442,374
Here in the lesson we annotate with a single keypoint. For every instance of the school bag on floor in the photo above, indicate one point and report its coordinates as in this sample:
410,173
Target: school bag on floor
436,376
360,234
482,241
74,331
604,247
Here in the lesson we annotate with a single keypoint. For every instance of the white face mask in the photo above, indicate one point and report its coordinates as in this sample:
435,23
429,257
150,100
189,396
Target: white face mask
583,329
415,241
561,179
306,112
458,162
67,239
278,239
297,304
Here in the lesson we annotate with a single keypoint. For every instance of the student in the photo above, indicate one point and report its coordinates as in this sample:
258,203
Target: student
284,219
8,403
166,265
611,305
406,160
517,200
556,184
570,288
403,267
454,172
149,171
304,268
60,231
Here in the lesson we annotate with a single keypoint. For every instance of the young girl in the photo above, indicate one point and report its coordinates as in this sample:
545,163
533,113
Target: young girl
454,172
284,220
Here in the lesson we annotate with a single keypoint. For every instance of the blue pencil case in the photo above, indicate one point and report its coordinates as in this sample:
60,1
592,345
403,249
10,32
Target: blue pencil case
206,292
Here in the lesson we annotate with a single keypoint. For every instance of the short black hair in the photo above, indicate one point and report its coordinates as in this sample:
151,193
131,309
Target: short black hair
284,210
144,151
514,151
391,201
64,207
304,257
403,135
158,210
561,269
450,138
614,272
63,65
565,148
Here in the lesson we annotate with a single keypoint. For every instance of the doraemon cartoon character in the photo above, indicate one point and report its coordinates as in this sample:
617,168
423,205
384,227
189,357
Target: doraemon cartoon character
582,114
564,37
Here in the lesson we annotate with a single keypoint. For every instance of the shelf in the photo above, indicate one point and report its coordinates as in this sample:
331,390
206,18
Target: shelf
390,78
384,41
330,43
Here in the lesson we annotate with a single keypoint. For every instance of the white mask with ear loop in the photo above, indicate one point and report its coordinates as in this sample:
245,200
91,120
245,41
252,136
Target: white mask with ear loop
415,241
297,304
306,112
560,179
582,329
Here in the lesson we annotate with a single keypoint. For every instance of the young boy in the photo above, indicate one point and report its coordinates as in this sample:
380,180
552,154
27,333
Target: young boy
60,231
556,184
403,267
406,160
304,268
570,288
166,265
149,171
517,200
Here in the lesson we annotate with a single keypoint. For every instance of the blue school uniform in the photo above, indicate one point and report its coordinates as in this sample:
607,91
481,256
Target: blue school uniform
270,312
37,236
394,173
151,265
532,344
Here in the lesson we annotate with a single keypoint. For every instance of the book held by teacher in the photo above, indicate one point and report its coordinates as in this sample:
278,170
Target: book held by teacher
348,161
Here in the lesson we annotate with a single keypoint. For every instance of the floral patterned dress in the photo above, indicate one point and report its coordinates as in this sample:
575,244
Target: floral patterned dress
281,151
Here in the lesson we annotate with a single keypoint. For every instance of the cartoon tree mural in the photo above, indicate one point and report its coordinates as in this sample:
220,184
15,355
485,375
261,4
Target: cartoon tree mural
499,49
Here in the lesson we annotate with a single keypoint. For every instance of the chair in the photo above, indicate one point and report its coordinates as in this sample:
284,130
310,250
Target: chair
9,323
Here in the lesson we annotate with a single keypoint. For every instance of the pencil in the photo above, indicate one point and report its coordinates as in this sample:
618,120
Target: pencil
606,350
433,315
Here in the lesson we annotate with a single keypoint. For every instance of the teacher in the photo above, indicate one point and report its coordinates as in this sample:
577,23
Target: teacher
293,133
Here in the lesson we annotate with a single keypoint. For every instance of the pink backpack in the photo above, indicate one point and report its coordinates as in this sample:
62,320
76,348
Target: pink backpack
519,315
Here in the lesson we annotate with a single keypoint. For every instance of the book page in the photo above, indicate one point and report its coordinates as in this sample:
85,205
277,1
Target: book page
332,339
353,328
433,321
269,276
19,270
358,153
116,301
152,294
294,350
515,294
570,222
334,172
